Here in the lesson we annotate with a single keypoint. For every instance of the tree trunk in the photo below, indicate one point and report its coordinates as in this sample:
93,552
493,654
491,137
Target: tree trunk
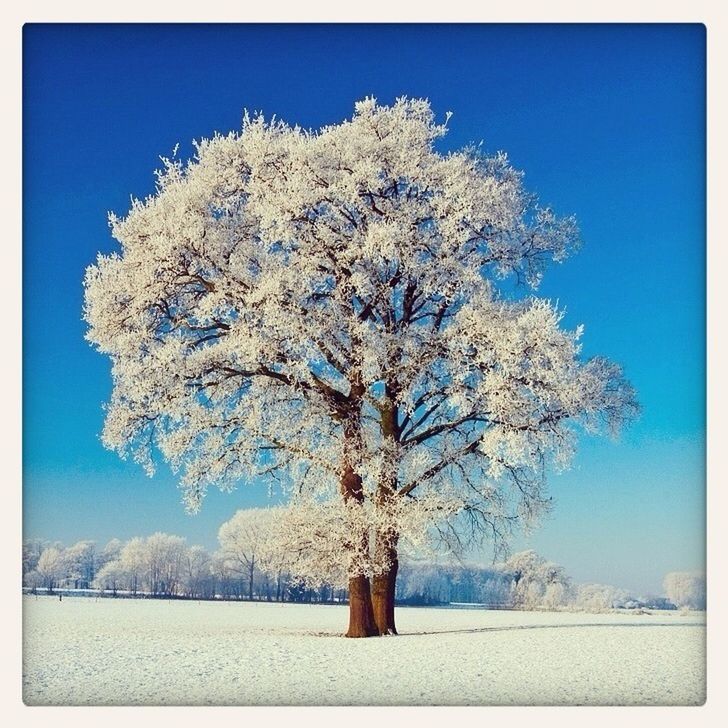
383,586
361,614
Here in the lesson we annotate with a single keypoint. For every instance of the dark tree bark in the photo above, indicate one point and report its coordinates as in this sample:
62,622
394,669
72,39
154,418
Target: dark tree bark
383,588
361,612
383,584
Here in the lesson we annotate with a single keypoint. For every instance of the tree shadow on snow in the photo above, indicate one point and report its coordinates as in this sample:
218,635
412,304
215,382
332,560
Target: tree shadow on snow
473,630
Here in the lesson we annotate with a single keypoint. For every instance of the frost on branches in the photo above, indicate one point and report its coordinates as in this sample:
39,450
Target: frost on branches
322,309
685,589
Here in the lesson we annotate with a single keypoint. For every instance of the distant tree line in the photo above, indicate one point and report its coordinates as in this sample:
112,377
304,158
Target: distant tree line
161,565
245,567
525,581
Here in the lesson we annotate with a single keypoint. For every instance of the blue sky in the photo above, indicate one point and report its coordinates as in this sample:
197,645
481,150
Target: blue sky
608,123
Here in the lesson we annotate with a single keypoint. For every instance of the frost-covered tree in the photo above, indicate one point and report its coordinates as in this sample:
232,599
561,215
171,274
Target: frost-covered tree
537,582
164,562
685,589
112,576
423,582
32,579
156,564
324,309
32,550
197,572
133,562
110,552
599,597
51,568
245,543
227,582
81,563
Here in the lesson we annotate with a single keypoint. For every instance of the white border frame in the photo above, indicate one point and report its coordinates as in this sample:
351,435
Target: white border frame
555,11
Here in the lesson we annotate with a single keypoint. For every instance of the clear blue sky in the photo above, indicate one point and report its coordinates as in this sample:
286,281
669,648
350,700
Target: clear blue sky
607,121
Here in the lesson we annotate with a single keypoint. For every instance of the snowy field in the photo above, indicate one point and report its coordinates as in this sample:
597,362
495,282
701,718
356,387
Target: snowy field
110,652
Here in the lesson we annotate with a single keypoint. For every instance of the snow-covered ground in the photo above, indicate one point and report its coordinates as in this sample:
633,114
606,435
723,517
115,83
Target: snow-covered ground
84,651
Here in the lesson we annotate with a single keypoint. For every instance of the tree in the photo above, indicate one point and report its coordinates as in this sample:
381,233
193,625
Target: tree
110,552
324,309
226,583
537,582
32,579
157,564
164,556
133,561
51,567
245,543
599,597
31,554
685,589
196,572
81,563
112,575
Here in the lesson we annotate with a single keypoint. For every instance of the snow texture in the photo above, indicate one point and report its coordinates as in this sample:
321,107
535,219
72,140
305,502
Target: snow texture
157,652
